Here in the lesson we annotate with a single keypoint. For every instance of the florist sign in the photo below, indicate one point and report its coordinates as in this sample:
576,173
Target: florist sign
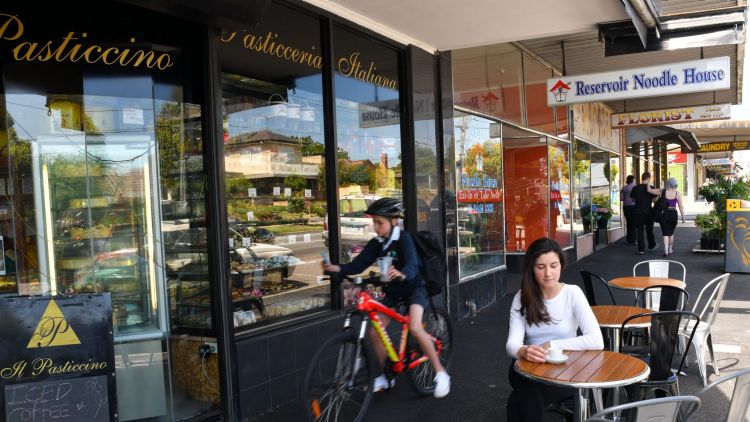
676,78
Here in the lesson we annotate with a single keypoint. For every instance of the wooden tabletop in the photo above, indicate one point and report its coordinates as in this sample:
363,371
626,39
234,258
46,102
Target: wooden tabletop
641,282
612,316
587,369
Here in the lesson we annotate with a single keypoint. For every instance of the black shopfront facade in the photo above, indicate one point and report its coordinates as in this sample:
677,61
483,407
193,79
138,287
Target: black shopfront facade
194,164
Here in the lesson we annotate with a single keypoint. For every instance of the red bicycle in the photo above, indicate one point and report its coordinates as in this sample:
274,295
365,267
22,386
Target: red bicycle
339,381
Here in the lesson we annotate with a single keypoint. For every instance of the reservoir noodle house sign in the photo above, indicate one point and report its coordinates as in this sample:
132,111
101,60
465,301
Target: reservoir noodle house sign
57,359
676,78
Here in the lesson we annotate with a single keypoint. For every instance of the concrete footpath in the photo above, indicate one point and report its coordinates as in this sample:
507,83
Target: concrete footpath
479,375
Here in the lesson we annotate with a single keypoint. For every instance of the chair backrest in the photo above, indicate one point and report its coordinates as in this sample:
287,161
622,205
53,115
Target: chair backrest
663,335
671,298
664,409
592,283
707,307
660,268
740,397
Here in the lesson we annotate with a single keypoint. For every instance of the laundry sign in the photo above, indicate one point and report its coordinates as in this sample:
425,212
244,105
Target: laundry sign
653,81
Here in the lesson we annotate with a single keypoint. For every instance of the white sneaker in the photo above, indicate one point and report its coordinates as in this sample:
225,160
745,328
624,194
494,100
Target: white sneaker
381,383
671,250
442,384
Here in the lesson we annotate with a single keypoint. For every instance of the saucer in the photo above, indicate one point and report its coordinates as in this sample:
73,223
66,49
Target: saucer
561,360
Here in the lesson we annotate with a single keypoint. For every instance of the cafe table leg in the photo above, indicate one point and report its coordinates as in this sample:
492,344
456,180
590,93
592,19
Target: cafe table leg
581,404
615,348
598,399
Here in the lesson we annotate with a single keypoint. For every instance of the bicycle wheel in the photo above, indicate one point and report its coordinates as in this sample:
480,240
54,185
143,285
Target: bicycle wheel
437,323
338,383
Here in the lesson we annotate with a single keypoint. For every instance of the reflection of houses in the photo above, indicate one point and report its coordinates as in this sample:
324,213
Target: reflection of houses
267,157
385,177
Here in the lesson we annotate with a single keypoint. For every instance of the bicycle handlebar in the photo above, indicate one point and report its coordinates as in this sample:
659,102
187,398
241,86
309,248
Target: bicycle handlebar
372,279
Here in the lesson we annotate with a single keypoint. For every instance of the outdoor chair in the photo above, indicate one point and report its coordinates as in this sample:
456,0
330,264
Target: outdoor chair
666,409
594,283
708,302
740,396
660,353
671,298
660,268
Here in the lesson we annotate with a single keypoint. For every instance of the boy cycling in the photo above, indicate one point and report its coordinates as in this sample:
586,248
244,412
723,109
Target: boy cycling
405,283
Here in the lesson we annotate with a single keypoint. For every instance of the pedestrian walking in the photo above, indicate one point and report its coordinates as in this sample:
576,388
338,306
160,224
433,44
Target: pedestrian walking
669,222
643,195
628,207
545,314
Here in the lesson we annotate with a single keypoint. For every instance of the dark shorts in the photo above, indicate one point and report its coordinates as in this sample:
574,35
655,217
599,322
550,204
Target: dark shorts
669,223
413,296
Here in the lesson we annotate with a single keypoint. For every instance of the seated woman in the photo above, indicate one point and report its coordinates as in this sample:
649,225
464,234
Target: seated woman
545,313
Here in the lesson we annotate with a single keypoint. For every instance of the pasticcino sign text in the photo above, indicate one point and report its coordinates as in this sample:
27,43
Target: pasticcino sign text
74,47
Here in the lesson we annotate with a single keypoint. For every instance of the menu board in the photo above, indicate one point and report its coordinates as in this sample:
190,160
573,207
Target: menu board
57,358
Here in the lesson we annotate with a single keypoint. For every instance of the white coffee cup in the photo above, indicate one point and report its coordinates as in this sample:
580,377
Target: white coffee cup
384,264
555,353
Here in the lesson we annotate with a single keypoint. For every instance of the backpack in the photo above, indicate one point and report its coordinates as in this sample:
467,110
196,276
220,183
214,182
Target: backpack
659,207
432,265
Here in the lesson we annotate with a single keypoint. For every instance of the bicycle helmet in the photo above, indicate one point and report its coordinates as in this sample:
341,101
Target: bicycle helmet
386,207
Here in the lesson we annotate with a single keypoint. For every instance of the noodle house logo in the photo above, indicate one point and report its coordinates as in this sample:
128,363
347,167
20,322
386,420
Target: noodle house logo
654,81
53,329
74,47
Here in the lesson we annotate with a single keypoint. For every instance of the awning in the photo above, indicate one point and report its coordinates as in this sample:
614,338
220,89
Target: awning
663,133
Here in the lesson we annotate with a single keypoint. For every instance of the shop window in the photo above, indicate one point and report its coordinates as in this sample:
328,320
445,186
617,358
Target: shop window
559,195
488,79
103,169
526,183
540,116
368,132
479,195
274,167
582,222
429,202
678,169
601,192
614,190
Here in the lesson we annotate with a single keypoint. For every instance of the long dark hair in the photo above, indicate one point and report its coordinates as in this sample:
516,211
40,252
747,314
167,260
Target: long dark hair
532,301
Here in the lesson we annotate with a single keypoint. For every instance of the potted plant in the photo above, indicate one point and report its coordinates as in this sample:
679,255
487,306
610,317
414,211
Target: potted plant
718,192
712,230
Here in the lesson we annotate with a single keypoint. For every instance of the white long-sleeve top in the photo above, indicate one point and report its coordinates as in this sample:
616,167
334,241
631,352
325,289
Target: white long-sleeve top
569,311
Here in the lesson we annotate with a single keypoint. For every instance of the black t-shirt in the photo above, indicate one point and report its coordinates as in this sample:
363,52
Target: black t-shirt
643,198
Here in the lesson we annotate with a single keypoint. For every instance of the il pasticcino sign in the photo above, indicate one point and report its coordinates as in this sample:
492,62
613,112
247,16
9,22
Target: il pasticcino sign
75,47
54,364
672,116
676,78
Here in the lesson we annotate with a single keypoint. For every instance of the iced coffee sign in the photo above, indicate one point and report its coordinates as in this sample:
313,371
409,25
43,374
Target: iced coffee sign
676,78
57,359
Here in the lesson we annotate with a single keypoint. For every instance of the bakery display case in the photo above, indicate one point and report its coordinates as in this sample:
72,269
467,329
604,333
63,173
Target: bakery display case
96,211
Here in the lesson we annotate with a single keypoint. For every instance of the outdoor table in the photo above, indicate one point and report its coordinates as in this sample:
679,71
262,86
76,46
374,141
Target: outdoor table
611,317
641,282
585,370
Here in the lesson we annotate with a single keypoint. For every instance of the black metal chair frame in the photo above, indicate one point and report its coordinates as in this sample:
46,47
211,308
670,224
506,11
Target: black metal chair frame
588,284
666,292
661,355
